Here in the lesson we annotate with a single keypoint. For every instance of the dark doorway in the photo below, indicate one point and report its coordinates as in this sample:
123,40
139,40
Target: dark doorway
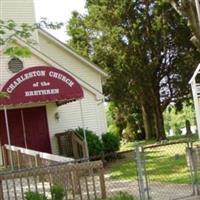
33,129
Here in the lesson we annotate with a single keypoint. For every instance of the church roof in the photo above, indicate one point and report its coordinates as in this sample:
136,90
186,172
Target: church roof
73,52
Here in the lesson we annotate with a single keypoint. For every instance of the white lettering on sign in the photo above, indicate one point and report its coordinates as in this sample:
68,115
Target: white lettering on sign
43,84
41,92
36,84
61,77
23,78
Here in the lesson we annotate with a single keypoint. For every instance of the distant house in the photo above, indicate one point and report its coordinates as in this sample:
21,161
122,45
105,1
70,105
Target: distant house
47,90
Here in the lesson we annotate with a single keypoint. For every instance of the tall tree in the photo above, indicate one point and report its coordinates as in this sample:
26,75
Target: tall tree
145,48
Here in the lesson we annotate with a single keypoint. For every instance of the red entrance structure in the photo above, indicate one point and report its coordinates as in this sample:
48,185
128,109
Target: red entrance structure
39,84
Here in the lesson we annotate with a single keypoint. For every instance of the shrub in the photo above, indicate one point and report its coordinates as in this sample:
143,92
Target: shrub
34,196
57,192
113,128
111,142
122,196
95,146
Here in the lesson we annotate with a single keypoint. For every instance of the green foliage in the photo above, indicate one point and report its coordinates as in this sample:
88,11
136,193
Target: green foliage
17,51
128,134
95,146
4,95
10,31
57,192
111,142
146,52
127,126
122,196
34,196
188,10
114,129
115,119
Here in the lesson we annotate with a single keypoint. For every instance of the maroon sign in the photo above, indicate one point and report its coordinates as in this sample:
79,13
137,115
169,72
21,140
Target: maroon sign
41,84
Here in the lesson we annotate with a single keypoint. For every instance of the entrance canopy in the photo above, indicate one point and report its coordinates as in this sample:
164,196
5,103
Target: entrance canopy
41,84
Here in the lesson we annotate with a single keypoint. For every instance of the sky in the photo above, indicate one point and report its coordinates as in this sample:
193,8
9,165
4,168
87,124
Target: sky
58,11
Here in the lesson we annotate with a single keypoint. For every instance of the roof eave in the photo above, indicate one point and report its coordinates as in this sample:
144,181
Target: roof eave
195,74
73,52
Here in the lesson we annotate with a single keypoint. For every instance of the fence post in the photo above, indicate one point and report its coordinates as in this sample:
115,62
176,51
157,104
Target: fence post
18,159
141,178
37,160
102,183
193,164
5,157
1,190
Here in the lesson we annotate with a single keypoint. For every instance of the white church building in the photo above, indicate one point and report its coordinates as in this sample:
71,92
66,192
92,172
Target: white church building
50,92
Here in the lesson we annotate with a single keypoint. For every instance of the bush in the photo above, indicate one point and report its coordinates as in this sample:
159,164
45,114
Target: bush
111,142
113,128
95,146
128,134
122,196
34,196
57,192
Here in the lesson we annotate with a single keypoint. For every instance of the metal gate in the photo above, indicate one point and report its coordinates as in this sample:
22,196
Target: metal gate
166,171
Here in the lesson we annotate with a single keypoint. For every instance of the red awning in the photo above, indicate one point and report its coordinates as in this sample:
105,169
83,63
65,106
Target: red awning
41,84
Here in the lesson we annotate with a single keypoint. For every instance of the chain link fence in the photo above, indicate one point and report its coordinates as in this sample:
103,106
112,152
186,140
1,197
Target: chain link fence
84,180
159,172
121,175
167,171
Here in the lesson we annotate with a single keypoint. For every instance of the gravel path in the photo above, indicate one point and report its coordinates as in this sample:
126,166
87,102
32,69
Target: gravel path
158,191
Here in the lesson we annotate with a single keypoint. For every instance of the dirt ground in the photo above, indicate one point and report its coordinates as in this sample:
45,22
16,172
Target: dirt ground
118,159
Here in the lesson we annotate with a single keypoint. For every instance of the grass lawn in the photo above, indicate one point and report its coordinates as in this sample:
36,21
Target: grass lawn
164,164
130,145
4,169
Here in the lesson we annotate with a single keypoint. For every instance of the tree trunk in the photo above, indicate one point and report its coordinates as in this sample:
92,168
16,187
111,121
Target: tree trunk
158,117
148,121
159,125
152,117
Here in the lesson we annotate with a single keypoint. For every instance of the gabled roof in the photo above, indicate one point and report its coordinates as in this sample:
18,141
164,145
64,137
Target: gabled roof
195,74
72,52
51,62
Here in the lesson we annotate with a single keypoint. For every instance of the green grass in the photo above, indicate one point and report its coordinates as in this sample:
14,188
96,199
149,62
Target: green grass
3,169
165,164
121,196
131,145
126,146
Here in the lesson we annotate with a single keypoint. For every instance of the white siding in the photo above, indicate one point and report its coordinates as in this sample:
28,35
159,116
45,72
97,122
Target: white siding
6,74
70,117
102,116
70,62
22,11
70,114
